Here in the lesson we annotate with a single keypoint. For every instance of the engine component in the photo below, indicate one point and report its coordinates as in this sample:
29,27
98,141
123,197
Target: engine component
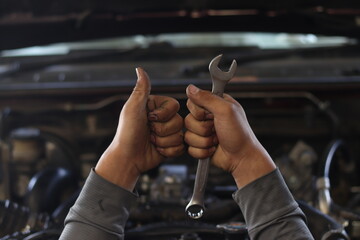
169,185
49,188
27,152
233,227
296,168
321,225
182,230
17,218
325,201
190,236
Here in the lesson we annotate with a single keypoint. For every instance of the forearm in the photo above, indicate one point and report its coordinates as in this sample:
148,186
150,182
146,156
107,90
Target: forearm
270,211
100,211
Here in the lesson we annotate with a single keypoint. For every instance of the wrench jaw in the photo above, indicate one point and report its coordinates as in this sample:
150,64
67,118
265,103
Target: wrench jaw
220,78
217,73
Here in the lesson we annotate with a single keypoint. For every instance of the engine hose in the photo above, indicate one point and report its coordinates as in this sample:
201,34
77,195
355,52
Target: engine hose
332,148
323,182
325,202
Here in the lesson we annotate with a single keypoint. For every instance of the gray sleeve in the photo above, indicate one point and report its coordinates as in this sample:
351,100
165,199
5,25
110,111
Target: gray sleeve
270,210
100,212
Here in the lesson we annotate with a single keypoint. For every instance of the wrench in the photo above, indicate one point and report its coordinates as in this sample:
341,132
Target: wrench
195,209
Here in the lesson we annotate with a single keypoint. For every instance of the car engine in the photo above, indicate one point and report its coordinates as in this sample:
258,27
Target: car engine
51,136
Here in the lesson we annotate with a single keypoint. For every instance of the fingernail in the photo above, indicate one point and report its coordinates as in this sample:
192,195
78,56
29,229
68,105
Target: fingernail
137,72
209,116
193,89
152,117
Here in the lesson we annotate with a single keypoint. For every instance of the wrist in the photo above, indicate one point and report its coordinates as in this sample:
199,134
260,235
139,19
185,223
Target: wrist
255,165
117,170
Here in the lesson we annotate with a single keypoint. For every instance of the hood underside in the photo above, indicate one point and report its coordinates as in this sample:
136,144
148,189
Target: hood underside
38,22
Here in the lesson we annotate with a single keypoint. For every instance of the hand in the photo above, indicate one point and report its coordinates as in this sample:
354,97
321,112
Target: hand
149,130
218,127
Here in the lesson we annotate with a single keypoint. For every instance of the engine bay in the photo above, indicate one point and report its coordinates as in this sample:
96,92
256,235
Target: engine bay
56,123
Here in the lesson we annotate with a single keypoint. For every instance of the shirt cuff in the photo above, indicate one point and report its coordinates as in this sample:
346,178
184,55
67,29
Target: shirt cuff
102,204
265,199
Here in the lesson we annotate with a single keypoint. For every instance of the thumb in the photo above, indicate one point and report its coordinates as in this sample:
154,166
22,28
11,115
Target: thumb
204,99
142,88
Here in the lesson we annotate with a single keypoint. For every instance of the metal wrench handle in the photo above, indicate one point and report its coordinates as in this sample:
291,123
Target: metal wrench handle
218,87
196,208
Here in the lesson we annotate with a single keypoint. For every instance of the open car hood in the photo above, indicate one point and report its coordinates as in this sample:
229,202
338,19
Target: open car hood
37,22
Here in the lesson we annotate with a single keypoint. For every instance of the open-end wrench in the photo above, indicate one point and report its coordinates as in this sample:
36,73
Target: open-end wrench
195,209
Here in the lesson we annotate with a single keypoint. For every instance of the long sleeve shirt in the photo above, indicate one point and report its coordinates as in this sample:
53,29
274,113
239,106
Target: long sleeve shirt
269,209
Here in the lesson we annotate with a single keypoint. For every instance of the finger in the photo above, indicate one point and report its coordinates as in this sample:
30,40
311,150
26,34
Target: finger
168,141
141,91
163,129
162,108
198,112
206,99
197,141
202,128
172,151
201,153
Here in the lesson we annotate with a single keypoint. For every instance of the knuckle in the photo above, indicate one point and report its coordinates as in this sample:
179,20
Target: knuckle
180,150
179,139
159,141
179,122
158,129
199,114
174,151
187,137
198,153
209,142
229,109
172,126
206,128
187,120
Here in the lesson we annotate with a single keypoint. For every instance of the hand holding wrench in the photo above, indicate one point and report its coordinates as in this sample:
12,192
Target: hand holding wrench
195,209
